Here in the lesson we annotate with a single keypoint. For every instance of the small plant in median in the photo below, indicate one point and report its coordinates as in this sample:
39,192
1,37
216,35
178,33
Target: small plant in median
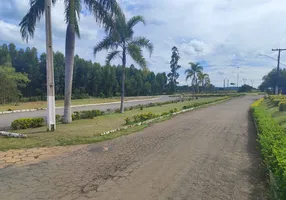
25,123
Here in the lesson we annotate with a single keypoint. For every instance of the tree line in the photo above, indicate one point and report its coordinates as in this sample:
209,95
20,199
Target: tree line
89,79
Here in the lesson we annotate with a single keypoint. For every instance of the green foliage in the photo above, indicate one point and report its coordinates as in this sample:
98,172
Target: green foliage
10,81
174,75
127,120
59,118
269,81
272,140
144,117
282,106
86,114
89,79
245,88
25,123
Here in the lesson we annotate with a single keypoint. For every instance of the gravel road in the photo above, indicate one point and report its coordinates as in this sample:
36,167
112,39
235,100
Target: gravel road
207,154
7,119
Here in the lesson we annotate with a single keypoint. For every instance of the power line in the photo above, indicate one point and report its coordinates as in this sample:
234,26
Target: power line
272,58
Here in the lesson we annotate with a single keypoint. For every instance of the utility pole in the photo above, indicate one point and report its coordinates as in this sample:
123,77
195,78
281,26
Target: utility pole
51,114
244,81
252,81
227,83
237,78
278,66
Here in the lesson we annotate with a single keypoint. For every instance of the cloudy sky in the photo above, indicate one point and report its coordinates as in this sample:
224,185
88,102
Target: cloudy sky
220,34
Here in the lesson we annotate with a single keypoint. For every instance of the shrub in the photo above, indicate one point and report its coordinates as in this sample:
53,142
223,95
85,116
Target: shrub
117,110
127,120
59,118
164,114
272,140
86,114
25,123
9,109
144,117
282,106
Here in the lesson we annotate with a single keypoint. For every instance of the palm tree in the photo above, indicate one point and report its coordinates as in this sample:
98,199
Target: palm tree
121,41
102,10
203,79
193,72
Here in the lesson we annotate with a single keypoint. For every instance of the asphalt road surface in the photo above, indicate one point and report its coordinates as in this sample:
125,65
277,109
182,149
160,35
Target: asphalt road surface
207,154
7,119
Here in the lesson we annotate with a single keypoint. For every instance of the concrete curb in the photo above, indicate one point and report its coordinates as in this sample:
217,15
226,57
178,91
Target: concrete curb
75,106
14,135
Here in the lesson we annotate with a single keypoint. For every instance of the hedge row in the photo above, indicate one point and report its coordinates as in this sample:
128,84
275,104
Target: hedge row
279,100
272,140
146,116
24,123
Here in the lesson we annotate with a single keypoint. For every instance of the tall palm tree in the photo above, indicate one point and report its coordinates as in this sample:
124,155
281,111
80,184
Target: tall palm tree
121,41
203,79
192,73
102,10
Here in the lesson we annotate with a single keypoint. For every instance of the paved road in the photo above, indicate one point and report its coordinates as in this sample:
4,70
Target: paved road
7,119
207,154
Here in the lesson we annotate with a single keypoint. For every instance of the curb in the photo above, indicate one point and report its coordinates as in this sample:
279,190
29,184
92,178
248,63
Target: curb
75,106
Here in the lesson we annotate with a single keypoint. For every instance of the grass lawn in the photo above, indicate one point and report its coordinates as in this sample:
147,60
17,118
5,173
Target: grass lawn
87,130
280,117
60,103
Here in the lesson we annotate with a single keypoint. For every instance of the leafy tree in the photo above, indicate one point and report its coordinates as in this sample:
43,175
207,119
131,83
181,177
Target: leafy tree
269,81
245,88
122,42
10,80
174,75
102,11
192,73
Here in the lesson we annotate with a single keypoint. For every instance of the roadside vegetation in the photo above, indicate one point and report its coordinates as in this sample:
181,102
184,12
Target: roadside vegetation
88,130
271,129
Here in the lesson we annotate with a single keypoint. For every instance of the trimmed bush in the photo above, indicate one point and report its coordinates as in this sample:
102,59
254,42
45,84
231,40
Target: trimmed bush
272,140
144,117
86,114
282,106
25,123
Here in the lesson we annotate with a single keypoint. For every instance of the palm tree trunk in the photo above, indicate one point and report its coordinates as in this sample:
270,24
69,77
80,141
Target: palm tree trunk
123,80
69,64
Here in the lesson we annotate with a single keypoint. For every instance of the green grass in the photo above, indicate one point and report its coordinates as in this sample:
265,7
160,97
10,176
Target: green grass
280,117
85,131
60,103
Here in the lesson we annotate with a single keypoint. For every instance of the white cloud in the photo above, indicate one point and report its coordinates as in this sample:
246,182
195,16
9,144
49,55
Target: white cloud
223,33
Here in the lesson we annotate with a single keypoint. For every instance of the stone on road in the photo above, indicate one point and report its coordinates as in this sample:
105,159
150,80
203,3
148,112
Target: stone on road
209,153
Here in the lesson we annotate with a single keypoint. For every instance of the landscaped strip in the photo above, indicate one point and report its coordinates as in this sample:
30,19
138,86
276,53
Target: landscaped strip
99,128
272,140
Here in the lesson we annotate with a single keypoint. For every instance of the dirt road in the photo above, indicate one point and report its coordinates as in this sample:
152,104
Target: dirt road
209,153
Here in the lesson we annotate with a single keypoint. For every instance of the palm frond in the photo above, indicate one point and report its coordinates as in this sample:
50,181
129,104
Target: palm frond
104,10
136,54
189,71
105,44
112,55
135,20
143,42
28,23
